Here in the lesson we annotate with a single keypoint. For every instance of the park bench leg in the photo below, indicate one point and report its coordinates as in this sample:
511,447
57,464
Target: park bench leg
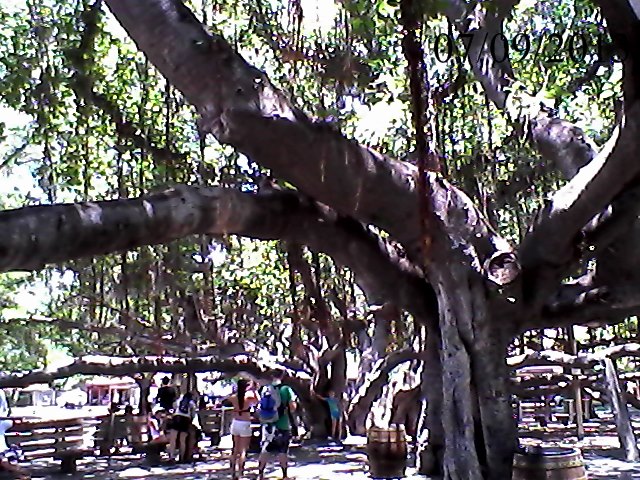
153,457
153,453
69,464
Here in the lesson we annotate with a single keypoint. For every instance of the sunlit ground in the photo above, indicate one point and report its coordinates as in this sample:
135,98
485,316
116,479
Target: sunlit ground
311,461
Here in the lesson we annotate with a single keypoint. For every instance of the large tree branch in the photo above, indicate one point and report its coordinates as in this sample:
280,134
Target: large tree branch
241,107
373,384
119,366
39,235
104,365
482,29
46,234
623,23
586,301
150,340
548,248
569,149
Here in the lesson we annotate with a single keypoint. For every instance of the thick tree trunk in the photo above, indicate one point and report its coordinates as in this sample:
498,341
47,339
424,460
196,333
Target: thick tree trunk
430,455
479,429
376,345
333,377
372,388
317,420
144,383
406,409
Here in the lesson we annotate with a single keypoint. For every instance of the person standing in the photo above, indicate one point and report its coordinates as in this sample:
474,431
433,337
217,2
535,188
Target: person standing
181,425
276,431
167,395
334,412
243,402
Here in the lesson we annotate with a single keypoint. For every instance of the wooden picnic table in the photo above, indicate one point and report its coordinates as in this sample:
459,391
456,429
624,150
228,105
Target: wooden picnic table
59,439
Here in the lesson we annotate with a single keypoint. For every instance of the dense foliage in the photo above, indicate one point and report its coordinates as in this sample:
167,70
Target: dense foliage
85,117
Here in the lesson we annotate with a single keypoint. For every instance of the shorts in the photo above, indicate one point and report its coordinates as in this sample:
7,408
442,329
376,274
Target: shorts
335,414
241,428
12,455
275,440
180,423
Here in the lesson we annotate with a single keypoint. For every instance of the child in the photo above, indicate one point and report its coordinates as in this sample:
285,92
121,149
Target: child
334,412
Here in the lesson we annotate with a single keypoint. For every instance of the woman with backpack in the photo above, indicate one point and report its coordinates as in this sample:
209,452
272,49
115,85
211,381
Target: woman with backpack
181,425
244,401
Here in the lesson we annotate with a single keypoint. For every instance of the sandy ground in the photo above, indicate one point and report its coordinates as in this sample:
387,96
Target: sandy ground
327,461
323,461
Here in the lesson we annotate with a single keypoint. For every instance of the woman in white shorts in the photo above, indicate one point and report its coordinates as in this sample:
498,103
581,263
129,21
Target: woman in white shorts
243,402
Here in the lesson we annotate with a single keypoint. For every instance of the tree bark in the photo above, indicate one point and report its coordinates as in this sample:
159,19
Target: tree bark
376,345
431,445
371,389
623,422
406,409
479,429
120,366
47,234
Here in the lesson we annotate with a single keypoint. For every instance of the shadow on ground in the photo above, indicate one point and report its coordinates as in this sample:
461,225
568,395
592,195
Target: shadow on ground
311,461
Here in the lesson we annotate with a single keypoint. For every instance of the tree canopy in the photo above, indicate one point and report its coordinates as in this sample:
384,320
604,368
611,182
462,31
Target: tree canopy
308,177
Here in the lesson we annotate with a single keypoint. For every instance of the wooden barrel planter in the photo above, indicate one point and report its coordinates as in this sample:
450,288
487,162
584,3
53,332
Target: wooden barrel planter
387,451
549,464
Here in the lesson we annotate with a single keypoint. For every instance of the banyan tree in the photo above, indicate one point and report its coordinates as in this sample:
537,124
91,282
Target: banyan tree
492,215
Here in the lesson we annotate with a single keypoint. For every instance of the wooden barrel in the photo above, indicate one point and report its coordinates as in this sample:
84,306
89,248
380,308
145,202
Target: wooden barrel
387,451
549,464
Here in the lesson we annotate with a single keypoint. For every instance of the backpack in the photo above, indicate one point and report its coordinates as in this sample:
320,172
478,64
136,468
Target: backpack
184,405
269,409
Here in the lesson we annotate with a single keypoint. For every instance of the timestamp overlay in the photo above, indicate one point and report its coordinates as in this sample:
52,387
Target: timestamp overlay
548,47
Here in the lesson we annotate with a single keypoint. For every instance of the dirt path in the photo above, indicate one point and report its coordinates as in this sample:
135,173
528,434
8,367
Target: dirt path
310,462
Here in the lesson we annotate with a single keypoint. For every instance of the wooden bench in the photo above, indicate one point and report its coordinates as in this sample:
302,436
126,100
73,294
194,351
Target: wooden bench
540,410
58,439
563,418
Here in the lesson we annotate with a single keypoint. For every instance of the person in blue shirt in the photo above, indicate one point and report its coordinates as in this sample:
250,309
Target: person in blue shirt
334,412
